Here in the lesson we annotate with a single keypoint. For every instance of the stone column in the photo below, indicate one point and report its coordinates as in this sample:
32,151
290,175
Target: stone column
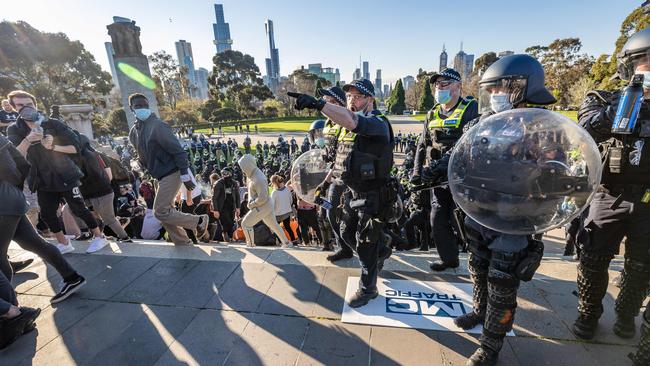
78,117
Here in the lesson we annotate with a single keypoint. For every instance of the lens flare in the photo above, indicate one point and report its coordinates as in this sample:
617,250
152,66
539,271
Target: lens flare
136,75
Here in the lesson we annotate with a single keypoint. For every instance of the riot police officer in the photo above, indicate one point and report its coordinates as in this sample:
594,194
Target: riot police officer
442,128
511,82
622,205
334,187
364,159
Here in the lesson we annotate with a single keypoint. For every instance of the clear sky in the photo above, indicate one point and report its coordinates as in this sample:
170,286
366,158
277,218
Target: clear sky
396,36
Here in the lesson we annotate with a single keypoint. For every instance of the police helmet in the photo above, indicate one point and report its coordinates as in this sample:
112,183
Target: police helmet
635,51
316,130
520,77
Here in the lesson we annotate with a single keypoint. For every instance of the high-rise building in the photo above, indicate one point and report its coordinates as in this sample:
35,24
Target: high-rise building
326,73
186,60
504,54
378,83
357,74
337,76
443,59
386,90
366,70
315,69
201,76
463,63
221,30
273,62
110,53
408,81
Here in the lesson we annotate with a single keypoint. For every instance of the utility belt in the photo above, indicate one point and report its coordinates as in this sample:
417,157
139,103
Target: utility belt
377,203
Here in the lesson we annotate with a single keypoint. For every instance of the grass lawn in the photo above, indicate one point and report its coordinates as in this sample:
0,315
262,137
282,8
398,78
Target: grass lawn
289,125
420,117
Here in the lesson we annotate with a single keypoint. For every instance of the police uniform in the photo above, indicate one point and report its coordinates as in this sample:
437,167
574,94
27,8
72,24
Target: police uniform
364,159
441,131
620,209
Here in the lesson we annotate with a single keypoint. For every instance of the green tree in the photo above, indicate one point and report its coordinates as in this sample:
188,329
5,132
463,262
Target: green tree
187,112
208,107
225,114
114,123
49,65
396,103
426,100
563,65
483,62
236,79
605,66
170,77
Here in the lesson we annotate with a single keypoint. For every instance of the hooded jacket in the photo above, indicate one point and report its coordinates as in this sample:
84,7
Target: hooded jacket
258,193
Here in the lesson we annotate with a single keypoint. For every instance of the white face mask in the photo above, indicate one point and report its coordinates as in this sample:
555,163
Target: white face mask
500,102
646,79
443,96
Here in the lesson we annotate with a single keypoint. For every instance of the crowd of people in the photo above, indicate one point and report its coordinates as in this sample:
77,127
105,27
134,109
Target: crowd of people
162,183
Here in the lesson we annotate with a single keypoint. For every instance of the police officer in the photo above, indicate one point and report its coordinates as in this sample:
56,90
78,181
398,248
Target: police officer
442,128
511,82
622,206
334,187
364,159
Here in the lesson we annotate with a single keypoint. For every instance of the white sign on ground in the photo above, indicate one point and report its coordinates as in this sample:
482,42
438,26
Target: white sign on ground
413,304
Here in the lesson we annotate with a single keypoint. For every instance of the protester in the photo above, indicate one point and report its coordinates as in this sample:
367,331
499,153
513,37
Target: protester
282,201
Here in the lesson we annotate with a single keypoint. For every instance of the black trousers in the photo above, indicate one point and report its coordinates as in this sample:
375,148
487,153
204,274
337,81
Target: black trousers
419,219
442,210
19,228
334,194
227,220
185,208
49,203
287,226
359,226
309,219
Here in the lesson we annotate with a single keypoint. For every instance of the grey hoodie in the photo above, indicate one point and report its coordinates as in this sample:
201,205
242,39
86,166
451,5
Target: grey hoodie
258,186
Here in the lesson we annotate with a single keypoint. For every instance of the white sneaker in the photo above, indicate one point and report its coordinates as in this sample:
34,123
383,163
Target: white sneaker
65,248
97,244
287,245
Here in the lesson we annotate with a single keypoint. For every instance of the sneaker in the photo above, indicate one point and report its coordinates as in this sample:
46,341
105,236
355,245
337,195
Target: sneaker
125,240
84,236
361,298
202,226
68,289
20,265
97,244
65,248
287,245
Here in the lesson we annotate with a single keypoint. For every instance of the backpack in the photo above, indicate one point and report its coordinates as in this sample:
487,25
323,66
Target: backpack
120,174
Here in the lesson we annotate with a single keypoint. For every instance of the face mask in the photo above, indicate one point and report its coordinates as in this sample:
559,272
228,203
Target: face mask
443,96
500,102
142,113
646,80
320,142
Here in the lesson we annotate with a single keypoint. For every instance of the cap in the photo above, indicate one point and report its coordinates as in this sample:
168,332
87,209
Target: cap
334,92
447,73
362,85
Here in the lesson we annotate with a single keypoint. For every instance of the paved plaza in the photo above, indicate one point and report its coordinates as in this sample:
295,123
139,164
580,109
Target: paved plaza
150,303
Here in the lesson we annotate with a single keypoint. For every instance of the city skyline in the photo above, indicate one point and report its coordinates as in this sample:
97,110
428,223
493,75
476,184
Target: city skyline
167,22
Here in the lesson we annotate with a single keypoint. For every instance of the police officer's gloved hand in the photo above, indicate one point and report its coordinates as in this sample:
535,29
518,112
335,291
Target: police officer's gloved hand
430,175
416,180
306,101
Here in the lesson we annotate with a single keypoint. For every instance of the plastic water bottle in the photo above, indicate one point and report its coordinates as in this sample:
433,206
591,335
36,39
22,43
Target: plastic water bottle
628,107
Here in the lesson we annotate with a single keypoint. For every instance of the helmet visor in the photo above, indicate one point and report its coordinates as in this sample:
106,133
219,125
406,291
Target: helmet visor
629,65
514,87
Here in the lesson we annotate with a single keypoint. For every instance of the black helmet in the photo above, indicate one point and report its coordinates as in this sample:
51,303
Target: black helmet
522,76
635,51
316,130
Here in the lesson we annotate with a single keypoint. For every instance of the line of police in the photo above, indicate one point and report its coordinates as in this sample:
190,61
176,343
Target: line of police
358,140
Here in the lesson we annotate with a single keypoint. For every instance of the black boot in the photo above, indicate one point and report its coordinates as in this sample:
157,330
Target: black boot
361,298
478,269
439,265
592,287
20,265
340,255
642,355
634,286
13,328
483,356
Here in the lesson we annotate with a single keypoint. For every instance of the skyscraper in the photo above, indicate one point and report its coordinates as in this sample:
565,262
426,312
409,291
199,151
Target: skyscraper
366,70
378,83
110,53
408,81
357,74
386,90
202,83
221,30
272,63
186,59
443,59
337,76
463,63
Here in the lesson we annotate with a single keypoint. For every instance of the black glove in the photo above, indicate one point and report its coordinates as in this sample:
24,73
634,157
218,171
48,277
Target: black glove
189,185
306,101
416,180
430,175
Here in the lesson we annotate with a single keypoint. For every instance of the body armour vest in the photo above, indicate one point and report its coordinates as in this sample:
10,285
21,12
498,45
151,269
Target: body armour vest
363,163
627,157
